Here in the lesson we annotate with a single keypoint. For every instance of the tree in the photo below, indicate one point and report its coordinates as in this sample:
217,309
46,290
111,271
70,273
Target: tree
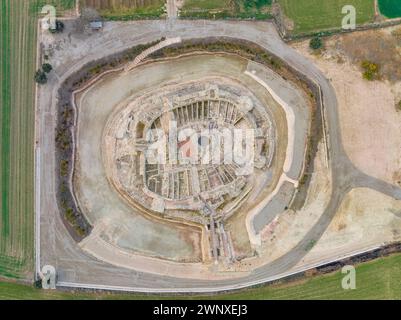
316,43
47,67
40,77
59,27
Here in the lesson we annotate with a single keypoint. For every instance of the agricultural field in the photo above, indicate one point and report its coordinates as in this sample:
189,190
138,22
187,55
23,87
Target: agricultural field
18,21
378,279
18,62
61,5
259,9
390,8
316,15
126,9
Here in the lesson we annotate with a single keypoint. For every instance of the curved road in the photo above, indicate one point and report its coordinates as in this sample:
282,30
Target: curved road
75,268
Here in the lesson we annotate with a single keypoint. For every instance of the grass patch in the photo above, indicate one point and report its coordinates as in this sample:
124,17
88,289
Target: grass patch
221,9
317,15
390,8
123,14
127,9
60,5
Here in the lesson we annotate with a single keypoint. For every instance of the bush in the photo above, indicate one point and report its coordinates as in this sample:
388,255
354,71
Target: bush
40,77
47,67
64,166
316,43
370,70
399,106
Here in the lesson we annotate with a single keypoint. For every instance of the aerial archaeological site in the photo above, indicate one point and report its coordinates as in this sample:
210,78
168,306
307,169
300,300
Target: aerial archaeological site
197,149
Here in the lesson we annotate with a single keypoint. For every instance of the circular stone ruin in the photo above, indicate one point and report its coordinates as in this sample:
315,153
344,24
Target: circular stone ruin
195,166
201,213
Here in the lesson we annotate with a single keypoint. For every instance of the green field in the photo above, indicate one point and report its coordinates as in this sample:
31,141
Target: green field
259,9
126,9
390,8
317,15
379,279
61,6
18,37
18,21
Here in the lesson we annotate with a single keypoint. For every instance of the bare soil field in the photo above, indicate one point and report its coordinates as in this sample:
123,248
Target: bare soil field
379,46
369,120
365,219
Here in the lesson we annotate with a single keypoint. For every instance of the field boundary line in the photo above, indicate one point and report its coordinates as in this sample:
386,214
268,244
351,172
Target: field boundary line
37,184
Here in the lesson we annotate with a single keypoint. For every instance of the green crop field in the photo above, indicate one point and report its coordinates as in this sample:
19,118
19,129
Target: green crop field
18,62
18,21
61,6
390,8
126,9
259,9
379,279
317,15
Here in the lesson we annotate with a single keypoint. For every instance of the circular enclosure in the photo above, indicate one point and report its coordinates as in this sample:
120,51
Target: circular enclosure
184,160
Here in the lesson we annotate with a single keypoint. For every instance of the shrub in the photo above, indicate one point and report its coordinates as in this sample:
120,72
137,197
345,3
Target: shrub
40,77
316,43
370,70
47,67
70,216
64,165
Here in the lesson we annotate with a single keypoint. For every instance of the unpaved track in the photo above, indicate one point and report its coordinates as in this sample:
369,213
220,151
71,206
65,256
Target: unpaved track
172,9
75,266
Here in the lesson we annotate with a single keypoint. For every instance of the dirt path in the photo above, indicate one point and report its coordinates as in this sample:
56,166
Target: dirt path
172,9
